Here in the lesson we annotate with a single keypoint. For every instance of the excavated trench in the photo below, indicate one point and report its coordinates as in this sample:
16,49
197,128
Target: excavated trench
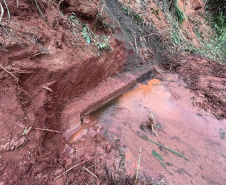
71,103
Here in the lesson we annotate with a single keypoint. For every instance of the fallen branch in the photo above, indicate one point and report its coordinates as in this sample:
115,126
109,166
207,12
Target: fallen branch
9,72
180,155
73,167
45,129
138,167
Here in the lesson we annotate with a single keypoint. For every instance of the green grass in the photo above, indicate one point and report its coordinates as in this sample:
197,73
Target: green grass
215,46
212,44
175,10
180,155
175,37
136,16
179,13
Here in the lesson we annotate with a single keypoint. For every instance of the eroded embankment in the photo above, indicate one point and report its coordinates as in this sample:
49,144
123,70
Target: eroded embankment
46,68
44,63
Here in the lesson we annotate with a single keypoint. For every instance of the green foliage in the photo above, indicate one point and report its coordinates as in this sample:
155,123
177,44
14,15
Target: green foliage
74,19
175,10
159,158
137,17
125,9
179,13
175,37
212,45
222,133
85,35
180,155
217,7
154,11
103,45
216,10
102,42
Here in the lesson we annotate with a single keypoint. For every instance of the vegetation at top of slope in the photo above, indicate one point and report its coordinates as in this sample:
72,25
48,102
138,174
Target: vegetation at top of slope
212,44
216,11
176,11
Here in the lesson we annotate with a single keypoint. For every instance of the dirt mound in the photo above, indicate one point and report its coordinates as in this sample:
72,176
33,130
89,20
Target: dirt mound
206,78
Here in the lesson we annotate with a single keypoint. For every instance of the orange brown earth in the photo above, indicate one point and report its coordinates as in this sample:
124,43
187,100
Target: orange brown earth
78,80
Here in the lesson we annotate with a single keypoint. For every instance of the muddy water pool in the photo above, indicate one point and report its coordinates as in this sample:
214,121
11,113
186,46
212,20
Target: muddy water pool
179,126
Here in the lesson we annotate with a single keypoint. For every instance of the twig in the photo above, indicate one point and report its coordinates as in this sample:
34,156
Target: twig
39,10
9,72
135,42
60,2
15,70
45,129
46,86
90,172
2,12
102,9
180,155
7,8
219,73
138,167
73,167
152,123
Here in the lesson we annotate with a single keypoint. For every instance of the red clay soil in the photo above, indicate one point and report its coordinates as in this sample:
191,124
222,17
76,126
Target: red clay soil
207,79
44,63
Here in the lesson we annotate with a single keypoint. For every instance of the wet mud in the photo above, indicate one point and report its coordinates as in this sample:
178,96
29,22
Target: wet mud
178,125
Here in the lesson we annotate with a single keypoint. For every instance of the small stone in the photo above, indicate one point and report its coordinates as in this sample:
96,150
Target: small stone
108,148
198,114
39,176
99,138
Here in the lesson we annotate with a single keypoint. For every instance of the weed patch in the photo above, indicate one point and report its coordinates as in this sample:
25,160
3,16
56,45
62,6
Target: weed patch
137,17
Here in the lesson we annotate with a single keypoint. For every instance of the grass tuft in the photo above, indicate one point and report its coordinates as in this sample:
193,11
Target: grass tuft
175,10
